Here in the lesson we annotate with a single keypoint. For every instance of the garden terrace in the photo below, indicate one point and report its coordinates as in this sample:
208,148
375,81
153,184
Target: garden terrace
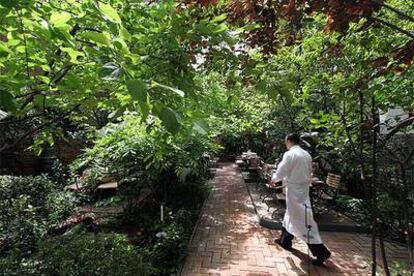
115,115
228,240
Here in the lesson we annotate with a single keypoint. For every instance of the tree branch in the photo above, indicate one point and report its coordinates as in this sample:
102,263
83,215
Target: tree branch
25,44
59,76
400,125
392,26
391,8
7,146
9,122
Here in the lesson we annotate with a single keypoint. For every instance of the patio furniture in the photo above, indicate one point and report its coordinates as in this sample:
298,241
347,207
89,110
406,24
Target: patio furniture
324,195
265,174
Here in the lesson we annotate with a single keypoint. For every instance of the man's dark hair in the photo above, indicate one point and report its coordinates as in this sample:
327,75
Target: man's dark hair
293,138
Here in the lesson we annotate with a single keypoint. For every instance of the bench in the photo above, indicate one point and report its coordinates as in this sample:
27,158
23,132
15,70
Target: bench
75,187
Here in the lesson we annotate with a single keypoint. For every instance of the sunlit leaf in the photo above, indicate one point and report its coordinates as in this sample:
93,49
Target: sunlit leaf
219,18
110,71
125,34
109,13
175,90
251,27
59,19
73,54
201,127
99,38
220,28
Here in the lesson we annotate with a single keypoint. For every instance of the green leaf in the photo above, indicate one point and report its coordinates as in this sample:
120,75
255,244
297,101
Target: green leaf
124,34
73,54
99,38
63,33
175,90
109,13
139,92
201,28
4,50
220,28
251,27
261,65
59,19
7,101
110,71
121,45
201,127
219,18
117,113
273,95
314,121
9,3
169,119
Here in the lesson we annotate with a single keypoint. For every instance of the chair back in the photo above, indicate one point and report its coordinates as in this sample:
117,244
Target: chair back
333,180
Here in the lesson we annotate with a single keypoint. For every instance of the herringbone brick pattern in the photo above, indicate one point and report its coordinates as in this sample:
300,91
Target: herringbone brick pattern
229,241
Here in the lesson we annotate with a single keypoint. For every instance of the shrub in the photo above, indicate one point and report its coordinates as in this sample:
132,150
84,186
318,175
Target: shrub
80,253
390,209
353,207
89,254
141,157
169,249
30,205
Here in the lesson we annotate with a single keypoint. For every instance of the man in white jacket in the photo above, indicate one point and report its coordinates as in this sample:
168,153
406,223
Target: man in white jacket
295,172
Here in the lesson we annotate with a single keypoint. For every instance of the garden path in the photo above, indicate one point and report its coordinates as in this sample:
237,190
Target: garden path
229,241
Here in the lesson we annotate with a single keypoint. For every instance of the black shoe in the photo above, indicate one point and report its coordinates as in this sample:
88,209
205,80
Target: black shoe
284,246
320,260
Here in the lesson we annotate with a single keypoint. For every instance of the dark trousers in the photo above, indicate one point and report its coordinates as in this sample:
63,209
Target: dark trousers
318,250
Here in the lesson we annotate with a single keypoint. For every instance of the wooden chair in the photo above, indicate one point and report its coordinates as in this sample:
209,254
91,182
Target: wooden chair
261,173
262,185
270,191
254,163
261,170
330,193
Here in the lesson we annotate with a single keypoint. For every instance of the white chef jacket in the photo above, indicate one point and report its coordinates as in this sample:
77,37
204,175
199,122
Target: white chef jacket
295,170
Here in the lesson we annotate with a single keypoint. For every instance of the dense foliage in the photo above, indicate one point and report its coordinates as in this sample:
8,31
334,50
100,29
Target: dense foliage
81,253
141,156
150,89
30,206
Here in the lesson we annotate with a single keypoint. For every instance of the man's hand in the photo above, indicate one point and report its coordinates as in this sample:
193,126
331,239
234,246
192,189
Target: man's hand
274,184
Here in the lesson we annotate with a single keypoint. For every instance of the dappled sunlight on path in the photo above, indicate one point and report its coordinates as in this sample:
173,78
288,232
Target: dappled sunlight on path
229,241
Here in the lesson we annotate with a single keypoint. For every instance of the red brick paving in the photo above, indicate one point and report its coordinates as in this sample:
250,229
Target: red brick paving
229,241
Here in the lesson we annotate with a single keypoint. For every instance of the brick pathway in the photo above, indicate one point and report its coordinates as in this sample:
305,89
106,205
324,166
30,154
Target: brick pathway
229,241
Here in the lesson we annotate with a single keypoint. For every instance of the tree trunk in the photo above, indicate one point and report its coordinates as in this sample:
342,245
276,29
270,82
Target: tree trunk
373,195
409,226
382,248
